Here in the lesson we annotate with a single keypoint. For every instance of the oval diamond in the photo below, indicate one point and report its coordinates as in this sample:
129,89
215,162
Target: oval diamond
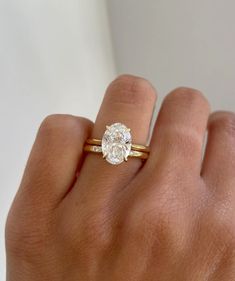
116,143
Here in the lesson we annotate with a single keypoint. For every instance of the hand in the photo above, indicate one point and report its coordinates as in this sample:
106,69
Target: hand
171,218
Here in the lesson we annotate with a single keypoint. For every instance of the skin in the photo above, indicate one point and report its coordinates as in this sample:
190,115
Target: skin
77,217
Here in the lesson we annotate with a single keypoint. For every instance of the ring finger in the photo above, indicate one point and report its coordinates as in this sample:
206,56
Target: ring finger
129,100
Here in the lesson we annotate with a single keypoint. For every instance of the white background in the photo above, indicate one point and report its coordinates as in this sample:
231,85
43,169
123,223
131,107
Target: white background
178,43
57,57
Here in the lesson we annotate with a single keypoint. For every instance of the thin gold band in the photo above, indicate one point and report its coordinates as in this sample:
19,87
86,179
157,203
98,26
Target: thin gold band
98,149
135,147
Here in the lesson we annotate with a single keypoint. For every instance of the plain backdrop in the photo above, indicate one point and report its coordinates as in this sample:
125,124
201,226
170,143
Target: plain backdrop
58,57
178,43
55,57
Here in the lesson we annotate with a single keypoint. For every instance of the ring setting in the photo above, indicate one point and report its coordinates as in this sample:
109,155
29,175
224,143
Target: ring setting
116,145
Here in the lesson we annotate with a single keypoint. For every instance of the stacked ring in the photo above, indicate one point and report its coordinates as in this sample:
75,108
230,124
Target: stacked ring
116,145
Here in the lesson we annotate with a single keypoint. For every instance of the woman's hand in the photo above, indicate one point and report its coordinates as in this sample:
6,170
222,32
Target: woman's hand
171,218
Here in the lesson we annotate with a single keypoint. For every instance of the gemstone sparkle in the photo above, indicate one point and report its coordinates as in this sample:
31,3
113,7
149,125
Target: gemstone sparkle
116,143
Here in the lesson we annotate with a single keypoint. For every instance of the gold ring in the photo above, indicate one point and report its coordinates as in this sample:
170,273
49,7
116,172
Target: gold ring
137,147
116,145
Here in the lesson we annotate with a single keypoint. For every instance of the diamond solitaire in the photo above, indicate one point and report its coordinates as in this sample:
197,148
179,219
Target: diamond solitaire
116,143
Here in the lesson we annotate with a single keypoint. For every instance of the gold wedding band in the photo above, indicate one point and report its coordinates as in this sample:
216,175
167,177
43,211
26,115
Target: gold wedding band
136,147
133,153
116,145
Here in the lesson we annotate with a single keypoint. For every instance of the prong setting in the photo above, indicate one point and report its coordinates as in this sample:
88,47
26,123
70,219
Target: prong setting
116,143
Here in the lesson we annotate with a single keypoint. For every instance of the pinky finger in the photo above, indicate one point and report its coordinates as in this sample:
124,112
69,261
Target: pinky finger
218,168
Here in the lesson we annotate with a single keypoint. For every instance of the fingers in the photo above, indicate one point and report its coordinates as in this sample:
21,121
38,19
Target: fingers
179,132
55,158
129,100
219,162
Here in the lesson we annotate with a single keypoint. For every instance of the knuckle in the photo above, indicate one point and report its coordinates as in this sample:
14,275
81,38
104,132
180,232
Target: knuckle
223,121
188,97
130,89
161,222
54,121
24,239
96,234
90,232
51,121
187,142
221,228
140,225
57,123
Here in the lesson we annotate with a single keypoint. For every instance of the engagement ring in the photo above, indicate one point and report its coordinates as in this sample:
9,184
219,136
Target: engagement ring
116,145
